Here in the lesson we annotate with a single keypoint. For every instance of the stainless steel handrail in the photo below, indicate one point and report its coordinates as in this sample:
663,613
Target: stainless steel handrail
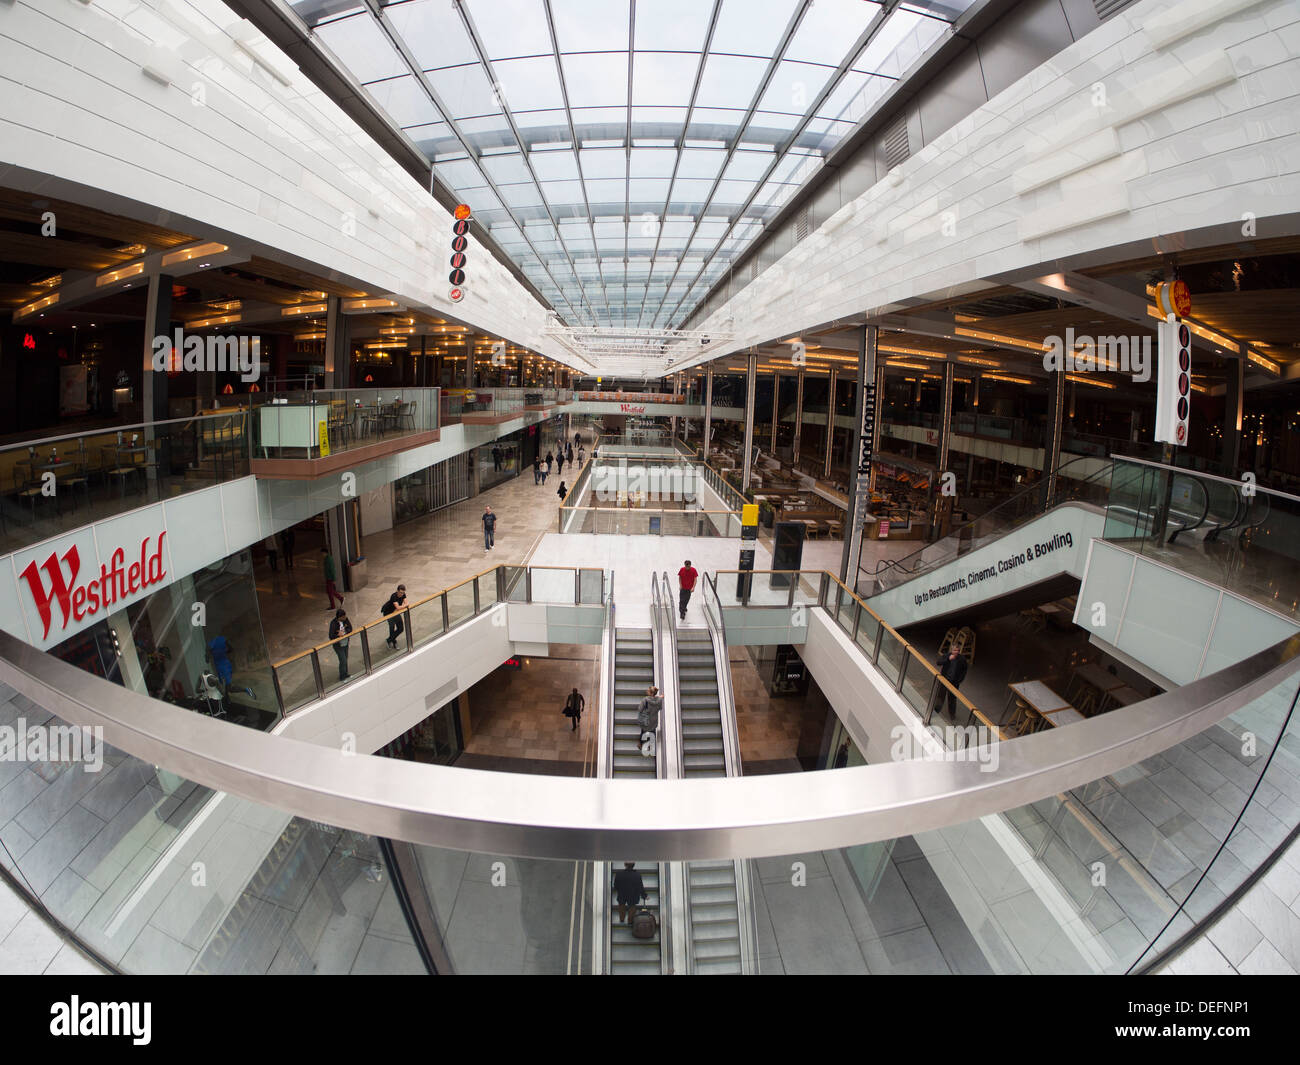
1188,472
584,819
600,888
746,914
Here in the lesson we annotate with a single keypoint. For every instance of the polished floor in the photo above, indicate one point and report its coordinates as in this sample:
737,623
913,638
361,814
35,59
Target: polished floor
516,713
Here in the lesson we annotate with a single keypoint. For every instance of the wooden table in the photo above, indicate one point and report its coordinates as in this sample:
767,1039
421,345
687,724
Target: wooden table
1125,696
1099,678
1067,715
1039,697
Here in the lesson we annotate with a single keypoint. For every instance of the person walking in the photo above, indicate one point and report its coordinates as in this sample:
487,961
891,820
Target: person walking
287,539
573,708
341,626
545,471
550,461
647,716
568,454
686,578
629,890
331,575
272,552
562,491
952,667
489,528
537,471
392,611
559,462
582,456
496,458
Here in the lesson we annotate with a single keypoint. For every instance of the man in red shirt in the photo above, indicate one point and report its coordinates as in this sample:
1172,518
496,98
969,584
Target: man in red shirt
686,578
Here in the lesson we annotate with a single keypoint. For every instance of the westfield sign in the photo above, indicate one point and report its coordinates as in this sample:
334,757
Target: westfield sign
81,599
628,408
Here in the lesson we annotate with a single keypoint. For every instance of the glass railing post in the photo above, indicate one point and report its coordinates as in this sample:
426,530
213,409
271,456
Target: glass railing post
477,606
501,584
316,676
406,613
857,618
528,585
365,650
446,615
279,695
936,690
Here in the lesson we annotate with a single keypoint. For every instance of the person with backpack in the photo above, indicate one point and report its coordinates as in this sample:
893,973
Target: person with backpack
390,610
647,716
629,890
562,491
489,528
341,626
573,708
331,575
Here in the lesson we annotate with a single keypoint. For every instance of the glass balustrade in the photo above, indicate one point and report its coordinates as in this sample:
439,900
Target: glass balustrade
57,484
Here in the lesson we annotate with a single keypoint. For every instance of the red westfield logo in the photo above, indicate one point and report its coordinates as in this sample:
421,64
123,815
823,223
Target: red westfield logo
115,582
627,408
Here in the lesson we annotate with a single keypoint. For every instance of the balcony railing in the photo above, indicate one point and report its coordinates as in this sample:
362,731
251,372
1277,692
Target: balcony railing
327,667
59,483
911,673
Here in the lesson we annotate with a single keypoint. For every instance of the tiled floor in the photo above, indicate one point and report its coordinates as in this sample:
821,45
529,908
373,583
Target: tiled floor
1259,936
517,713
777,733
29,946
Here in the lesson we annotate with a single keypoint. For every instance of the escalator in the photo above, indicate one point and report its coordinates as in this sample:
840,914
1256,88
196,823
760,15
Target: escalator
701,711
1028,549
628,667
720,936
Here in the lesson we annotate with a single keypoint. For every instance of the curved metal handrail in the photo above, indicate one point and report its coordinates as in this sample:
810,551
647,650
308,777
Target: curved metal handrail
577,819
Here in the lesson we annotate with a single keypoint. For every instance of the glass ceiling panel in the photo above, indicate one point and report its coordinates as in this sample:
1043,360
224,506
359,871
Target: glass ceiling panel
363,48
828,28
663,79
644,182
510,28
752,27
590,25
528,84
677,25
730,81
433,32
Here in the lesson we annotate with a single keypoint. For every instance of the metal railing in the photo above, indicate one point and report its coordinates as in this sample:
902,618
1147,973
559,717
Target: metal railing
303,678
911,673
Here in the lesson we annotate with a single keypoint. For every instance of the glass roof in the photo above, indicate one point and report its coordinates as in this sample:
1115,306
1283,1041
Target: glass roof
625,152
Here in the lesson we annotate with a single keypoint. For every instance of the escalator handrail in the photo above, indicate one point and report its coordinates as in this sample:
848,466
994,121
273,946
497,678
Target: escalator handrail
601,886
1034,489
746,912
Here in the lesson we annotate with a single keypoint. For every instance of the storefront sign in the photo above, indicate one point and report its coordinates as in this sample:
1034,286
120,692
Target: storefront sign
77,600
627,408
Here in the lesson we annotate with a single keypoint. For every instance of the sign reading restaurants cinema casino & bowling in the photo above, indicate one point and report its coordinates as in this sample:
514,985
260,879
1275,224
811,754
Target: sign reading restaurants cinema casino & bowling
67,584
